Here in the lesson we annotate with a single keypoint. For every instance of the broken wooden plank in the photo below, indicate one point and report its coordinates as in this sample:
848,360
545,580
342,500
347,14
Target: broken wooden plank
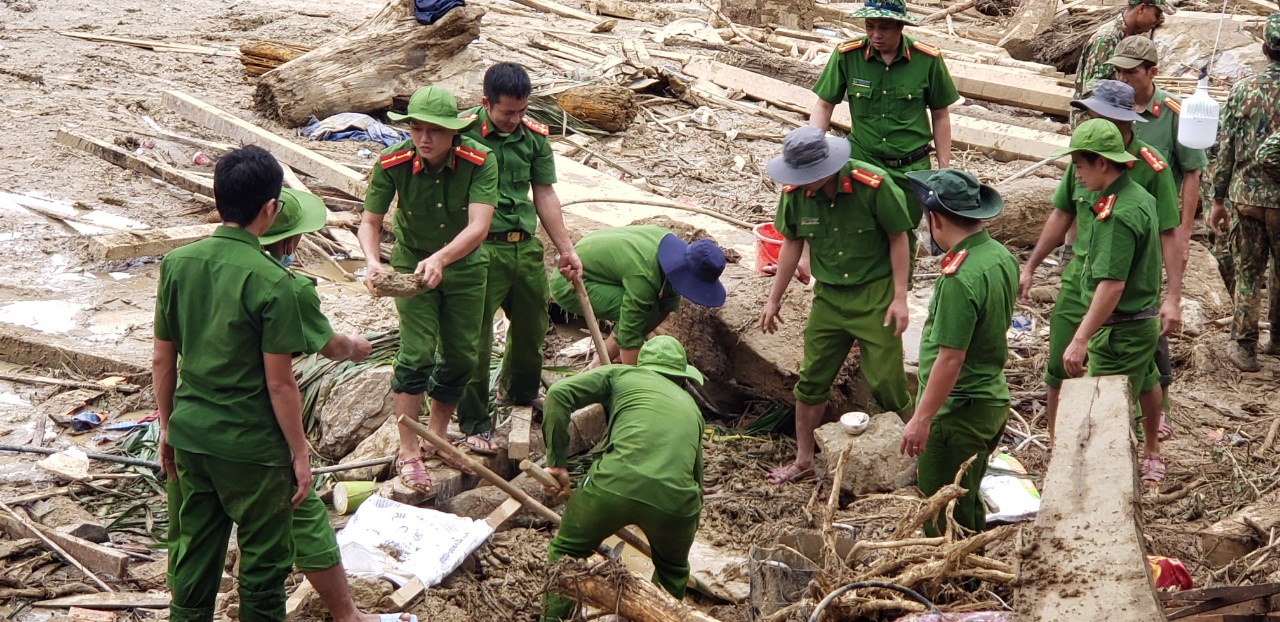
1088,558
287,152
146,244
79,552
111,600
518,440
80,614
126,160
409,593
299,597
348,241
104,385
547,6
155,46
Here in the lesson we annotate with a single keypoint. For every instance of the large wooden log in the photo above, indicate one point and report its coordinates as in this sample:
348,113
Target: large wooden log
260,57
362,71
1032,18
1084,558
610,588
1026,206
1240,533
607,106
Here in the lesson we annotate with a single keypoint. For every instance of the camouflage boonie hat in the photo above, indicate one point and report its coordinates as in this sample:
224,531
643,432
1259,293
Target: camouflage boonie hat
1271,32
1163,5
885,9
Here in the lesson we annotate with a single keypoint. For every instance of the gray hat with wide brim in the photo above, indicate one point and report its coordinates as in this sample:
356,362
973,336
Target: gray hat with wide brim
1112,100
808,155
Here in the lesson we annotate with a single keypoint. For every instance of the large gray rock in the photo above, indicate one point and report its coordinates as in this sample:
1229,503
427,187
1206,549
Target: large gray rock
874,464
353,411
383,443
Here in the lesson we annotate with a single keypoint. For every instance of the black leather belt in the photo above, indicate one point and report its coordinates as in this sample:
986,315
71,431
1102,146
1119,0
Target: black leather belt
910,158
507,236
1121,318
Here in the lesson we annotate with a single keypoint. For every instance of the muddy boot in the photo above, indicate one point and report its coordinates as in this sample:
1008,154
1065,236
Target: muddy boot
1272,347
1245,357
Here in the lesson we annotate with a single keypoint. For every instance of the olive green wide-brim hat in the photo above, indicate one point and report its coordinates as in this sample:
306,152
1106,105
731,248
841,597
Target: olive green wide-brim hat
300,212
955,192
885,9
1098,136
434,105
665,355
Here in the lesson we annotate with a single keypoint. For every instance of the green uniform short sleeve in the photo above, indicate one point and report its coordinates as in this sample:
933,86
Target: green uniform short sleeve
1062,194
315,326
831,84
282,323
543,165
565,396
1111,255
891,209
958,314
1165,189
381,191
161,329
784,221
942,90
1191,159
484,185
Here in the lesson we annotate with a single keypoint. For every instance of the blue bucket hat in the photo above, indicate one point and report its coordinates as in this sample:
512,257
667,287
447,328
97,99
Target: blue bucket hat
693,269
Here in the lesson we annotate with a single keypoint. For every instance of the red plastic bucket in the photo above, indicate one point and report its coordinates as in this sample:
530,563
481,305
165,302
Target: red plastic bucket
768,245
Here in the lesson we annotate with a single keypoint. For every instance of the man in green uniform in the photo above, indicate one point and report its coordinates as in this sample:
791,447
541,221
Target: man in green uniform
1252,113
517,280
857,227
231,437
650,474
890,80
1139,17
1136,63
1121,278
964,398
316,547
1112,101
635,277
446,186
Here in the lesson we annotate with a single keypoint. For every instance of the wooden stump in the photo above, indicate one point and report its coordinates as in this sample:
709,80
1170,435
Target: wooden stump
390,55
1084,558
609,107
1032,18
260,57
611,588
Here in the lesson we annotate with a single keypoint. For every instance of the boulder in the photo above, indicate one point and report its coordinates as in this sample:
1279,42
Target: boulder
353,411
382,443
874,464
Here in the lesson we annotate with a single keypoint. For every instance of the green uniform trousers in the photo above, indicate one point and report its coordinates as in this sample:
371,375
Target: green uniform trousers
426,363
605,297
315,545
958,432
840,316
517,284
1068,312
1256,244
592,514
210,495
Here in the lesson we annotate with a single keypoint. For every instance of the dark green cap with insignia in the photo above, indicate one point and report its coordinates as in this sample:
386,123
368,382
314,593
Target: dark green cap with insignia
434,105
955,192
885,9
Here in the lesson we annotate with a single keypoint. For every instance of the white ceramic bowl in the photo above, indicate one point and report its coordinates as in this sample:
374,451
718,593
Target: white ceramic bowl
855,422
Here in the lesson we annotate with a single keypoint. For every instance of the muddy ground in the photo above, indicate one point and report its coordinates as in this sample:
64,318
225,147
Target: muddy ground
52,292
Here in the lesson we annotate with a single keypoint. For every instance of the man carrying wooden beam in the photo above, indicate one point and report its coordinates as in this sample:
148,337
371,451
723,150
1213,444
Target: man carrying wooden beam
1138,17
1251,114
890,80
650,474
963,403
1113,101
857,226
517,280
446,186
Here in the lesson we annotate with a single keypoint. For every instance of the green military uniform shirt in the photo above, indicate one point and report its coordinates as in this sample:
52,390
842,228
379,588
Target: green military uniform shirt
1150,172
432,205
315,326
1161,131
1093,65
222,302
627,257
653,445
524,158
971,309
887,101
1251,114
1125,246
848,234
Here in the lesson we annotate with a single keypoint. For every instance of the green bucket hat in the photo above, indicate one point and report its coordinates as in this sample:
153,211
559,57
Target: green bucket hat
955,192
885,9
665,355
1098,136
434,105
1271,32
300,212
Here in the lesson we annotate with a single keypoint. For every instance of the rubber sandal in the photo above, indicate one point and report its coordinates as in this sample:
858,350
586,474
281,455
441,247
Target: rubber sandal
1165,432
397,617
1152,469
485,448
789,473
417,477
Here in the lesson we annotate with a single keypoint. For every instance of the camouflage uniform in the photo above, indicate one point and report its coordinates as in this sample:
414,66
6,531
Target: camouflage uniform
1251,115
1101,46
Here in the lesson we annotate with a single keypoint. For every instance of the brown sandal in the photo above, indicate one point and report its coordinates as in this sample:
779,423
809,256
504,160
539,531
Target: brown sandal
414,474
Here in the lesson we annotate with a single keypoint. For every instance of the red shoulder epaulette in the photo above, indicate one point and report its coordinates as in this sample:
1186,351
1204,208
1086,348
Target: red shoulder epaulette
788,188
471,155
1103,207
1154,160
951,262
870,179
468,117
849,46
540,128
927,49
392,159
1173,104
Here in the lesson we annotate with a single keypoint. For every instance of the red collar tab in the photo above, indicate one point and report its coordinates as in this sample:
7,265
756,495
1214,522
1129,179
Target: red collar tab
1103,207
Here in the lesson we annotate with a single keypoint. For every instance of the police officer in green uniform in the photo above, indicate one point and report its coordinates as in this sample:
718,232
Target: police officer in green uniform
1112,101
231,437
650,474
1121,279
446,187
316,547
1137,18
964,398
856,225
517,280
635,277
